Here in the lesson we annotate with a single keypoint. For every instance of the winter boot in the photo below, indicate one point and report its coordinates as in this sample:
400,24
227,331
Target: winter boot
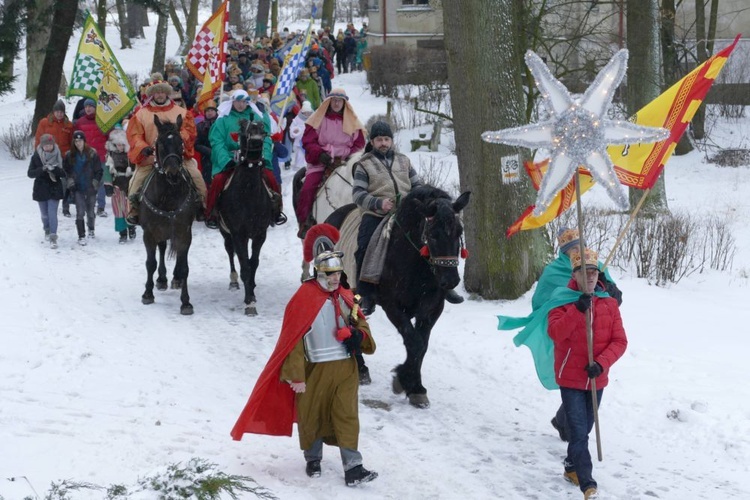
135,204
131,232
358,475
101,213
278,217
313,468
571,477
53,241
92,235
123,237
46,235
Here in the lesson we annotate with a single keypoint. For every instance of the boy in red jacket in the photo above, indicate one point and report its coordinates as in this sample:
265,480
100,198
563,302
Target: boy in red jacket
573,371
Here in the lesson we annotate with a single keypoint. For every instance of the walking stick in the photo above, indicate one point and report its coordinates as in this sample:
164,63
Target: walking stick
625,229
589,327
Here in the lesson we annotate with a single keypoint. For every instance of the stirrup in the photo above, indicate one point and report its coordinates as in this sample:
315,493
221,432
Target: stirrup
280,219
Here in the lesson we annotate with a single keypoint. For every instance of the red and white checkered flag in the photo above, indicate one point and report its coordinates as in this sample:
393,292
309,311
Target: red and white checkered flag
208,52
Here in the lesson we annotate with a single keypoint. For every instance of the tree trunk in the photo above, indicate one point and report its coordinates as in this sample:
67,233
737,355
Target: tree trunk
192,20
699,120
60,32
235,13
136,16
644,80
160,47
177,23
38,18
122,19
101,16
215,4
261,22
11,34
274,16
486,94
326,16
670,61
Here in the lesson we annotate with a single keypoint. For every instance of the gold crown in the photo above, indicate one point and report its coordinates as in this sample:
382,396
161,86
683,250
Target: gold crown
590,256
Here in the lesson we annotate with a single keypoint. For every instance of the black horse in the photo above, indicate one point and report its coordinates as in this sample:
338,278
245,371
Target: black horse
168,206
412,286
246,210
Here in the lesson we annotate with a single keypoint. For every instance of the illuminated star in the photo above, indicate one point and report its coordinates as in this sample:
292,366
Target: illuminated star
578,131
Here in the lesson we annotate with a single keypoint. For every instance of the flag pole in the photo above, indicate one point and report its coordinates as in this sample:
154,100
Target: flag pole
625,229
589,326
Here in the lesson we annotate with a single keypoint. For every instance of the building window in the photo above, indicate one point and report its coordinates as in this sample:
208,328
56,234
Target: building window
415,2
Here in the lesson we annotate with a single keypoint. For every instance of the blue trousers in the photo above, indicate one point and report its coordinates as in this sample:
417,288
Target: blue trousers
48,211
579,412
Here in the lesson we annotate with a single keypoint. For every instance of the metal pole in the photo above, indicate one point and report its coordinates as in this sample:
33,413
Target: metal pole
589,328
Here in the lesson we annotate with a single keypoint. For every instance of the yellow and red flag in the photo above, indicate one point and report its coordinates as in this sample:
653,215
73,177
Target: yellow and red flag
206,59
637,165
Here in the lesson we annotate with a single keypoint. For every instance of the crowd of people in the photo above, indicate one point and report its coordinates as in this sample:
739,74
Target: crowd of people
313,370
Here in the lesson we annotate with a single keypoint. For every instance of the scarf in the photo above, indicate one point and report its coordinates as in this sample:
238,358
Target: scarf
51,160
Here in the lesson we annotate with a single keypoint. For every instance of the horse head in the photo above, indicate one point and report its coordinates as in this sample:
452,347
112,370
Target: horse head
169,147
442,235
252,137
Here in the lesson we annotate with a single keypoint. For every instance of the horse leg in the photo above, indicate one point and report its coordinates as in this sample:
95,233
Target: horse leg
161,280
364,372
181,271
229,247
148,295
422,330
240,246
249,279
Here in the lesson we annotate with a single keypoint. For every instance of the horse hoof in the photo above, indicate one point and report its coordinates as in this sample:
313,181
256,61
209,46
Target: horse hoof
250,310
419,401
161,285
186,310
147,300
396,386
176,284
234,286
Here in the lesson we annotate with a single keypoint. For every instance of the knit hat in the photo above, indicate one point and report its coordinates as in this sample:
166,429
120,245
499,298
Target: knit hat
567,238
46,140
89,102
590,259
78,134
59,106
306,108
380,129
338,92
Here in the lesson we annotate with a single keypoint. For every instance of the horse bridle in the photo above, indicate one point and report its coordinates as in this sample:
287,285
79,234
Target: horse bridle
169,214
440,261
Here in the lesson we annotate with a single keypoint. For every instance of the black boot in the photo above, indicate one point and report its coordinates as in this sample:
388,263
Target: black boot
358,475
278,217
313,468
81,227
123,236
131,232
452,297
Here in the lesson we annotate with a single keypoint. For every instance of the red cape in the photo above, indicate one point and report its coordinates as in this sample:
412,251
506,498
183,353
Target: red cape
270,409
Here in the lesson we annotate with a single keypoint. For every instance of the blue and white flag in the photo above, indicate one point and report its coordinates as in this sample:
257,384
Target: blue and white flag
293,62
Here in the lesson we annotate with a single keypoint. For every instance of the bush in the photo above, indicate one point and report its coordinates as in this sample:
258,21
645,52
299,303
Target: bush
18,139
663,249
395,65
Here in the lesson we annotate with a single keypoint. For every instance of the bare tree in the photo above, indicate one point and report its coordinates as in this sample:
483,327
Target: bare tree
137,19
261,21
101,16
235,12
191,22
487,94
326,16
122,20
52,69
644,80
160,47
38,20
177,23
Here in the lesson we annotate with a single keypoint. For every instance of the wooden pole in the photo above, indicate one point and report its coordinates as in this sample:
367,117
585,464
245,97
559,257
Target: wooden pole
625,229
589,328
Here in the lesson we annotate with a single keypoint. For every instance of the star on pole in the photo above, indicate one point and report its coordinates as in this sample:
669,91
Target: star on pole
578,131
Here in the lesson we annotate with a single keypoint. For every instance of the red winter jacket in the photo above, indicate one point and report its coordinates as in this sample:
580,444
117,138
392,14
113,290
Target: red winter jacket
94,136
567,329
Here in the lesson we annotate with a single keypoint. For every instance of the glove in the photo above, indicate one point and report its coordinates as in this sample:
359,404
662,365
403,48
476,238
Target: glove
298,387
109,189
325,158
128,172
147,151
353,343
594,369
71,184
583,303
95,184
611,289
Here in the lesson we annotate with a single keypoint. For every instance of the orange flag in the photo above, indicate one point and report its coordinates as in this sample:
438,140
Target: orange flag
207,57
637,165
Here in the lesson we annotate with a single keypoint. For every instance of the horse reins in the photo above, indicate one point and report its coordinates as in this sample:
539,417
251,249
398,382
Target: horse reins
169,214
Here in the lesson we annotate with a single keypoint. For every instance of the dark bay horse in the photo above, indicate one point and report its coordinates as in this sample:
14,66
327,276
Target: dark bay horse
412,285
168,206
246,210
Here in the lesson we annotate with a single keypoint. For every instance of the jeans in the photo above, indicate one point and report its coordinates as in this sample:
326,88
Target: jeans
48,210
580,416
349,458
101,198
85,206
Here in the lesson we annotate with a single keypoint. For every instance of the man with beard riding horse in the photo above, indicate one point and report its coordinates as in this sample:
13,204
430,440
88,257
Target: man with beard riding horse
142,134
381,178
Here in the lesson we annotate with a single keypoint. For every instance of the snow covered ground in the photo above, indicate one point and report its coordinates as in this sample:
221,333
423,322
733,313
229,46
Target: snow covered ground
96,387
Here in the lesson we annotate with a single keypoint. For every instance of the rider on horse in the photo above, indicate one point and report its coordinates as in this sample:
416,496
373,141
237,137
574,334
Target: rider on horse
381,178
223,147
332,134
142,135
